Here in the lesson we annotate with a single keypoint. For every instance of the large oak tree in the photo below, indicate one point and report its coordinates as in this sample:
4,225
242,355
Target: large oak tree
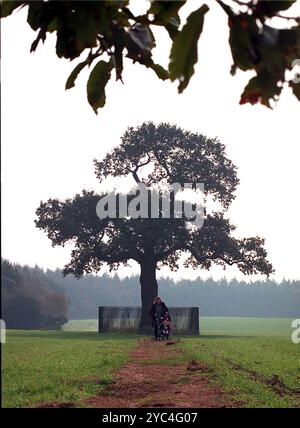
153,155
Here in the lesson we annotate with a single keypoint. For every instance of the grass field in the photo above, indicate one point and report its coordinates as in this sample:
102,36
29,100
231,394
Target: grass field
214,325
43,366
253,360
259,371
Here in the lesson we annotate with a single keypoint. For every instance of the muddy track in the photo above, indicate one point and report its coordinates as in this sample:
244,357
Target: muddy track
274,383
153,378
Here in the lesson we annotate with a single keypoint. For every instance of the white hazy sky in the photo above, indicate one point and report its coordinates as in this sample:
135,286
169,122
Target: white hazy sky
50,138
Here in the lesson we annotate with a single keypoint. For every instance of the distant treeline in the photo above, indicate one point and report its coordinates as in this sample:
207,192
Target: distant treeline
214,298
30,299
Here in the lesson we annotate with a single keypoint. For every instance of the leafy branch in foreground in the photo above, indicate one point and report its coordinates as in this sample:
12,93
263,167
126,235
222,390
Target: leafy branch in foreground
109,30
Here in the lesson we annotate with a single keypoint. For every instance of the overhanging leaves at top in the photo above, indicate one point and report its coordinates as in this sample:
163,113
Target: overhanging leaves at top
110,28
98,79
184,53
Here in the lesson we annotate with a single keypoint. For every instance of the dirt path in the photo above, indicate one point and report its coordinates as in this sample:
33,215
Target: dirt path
151,380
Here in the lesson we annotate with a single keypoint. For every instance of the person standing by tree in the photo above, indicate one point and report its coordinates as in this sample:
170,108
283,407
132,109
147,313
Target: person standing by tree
158,311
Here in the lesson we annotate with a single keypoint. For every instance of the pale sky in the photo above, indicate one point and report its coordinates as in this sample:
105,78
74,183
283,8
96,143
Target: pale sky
51,136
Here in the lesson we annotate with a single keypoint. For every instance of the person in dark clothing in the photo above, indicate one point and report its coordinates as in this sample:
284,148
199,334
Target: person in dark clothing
157,313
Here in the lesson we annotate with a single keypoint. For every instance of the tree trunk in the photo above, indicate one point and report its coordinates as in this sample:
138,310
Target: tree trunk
149,290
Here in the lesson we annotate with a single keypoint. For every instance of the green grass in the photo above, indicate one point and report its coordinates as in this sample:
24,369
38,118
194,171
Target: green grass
214,325
42,366
252,359
81,325
246,326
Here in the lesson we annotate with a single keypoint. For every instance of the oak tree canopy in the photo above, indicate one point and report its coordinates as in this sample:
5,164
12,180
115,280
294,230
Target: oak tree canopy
155,154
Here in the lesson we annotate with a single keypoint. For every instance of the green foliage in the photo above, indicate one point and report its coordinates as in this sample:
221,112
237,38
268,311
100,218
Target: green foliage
258,46
98,79
109,28
166,14
73,76
8,6
271,7
184,53
174,156
42,366
30,299
214,298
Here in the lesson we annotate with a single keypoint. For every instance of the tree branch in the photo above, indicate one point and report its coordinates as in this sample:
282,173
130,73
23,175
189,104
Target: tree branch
163,163
165,254
136,177
137,167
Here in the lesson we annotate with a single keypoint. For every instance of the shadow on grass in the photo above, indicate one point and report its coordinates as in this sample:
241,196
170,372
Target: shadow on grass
215,336
72,335
95,336
226,336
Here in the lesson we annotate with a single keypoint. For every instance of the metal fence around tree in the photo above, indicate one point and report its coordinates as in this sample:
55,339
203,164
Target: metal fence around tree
185,320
